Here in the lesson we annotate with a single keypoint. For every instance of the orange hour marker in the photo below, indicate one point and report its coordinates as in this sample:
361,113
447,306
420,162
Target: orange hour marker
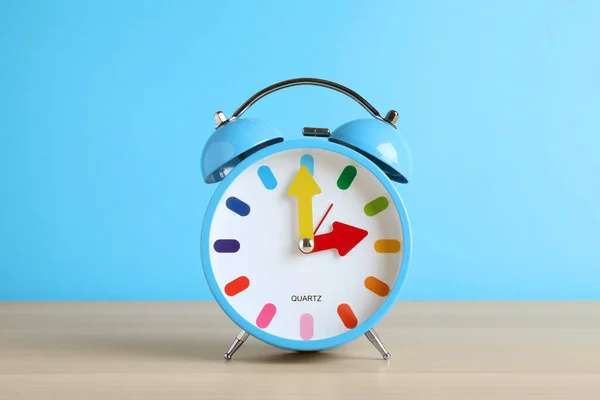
376,286
387,246
347,316
237,285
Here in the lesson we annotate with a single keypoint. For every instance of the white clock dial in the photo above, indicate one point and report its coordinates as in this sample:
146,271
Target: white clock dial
254,245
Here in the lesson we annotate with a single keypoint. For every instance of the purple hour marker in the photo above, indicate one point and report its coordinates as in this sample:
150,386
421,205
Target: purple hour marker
226,246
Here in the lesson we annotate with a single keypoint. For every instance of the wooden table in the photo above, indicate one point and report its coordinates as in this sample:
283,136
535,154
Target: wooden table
173,350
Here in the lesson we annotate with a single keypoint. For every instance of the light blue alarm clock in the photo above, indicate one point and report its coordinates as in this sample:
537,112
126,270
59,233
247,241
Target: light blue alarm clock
306,243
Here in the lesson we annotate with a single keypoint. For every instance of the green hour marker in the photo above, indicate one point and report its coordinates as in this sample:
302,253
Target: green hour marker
346,177
376,206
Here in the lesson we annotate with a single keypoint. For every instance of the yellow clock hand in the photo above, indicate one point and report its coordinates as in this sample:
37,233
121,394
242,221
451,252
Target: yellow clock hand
304,187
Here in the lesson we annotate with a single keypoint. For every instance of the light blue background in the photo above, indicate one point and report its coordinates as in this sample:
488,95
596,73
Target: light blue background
105,107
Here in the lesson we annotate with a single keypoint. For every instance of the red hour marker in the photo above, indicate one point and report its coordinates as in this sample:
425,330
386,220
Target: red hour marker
347,316
237,285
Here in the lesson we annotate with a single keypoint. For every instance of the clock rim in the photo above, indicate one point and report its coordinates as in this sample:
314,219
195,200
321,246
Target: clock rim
248,326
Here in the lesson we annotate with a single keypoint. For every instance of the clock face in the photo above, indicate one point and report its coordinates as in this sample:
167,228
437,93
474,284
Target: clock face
254,252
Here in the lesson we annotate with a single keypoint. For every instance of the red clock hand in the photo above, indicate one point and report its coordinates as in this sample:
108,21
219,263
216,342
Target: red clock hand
343,238
323,219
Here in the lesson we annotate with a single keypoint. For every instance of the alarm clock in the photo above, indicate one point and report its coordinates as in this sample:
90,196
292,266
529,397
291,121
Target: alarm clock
306,243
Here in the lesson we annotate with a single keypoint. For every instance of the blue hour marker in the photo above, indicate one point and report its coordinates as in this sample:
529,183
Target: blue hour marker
237,206
267,178
226,246
308,161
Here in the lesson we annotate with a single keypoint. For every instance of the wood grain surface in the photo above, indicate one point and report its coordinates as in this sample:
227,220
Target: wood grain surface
173,350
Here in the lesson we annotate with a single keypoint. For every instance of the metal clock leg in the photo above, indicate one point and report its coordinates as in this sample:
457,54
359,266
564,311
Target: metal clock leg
237,343
374,339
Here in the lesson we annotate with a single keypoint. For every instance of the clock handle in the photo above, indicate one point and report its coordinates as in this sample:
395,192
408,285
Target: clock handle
390,118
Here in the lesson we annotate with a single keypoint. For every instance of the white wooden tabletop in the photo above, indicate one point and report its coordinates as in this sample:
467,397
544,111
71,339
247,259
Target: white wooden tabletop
173,350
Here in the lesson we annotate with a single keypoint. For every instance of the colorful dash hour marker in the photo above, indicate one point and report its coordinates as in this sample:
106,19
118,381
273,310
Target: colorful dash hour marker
346,177
309,162
237,285
376,206
237,206
226,246
307,326
347,316
266,315
267,178
387,246
376,286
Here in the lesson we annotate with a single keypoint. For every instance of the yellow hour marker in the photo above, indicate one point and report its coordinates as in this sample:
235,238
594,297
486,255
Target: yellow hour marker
387,246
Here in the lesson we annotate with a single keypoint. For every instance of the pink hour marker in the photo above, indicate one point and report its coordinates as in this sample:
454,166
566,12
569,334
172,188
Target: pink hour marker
306,326
266,315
